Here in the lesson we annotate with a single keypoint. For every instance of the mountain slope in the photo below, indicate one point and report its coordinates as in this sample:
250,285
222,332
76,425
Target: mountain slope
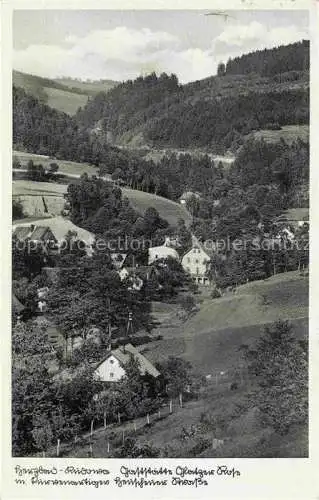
211,113
87,87
211,338
63,94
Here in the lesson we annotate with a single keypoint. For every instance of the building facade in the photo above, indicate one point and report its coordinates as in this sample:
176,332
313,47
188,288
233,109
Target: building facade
162,252
112,367
195,262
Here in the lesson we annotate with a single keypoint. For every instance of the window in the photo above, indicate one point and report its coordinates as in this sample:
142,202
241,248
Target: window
188,259
196,261
111,374
112,361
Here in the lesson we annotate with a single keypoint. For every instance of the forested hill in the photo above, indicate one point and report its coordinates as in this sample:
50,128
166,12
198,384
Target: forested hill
268,92
37,128
279,60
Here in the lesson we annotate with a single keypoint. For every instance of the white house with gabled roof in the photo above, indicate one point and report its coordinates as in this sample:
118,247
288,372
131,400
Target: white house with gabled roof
195,262
112,367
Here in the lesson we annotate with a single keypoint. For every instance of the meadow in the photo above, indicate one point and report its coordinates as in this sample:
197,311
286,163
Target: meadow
64,94
211,338
289,133
169,210
140,201
65,166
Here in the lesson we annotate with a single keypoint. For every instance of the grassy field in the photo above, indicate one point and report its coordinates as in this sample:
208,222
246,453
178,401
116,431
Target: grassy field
31,195
32,188
65,166
66,94
169,210
89,87
65,100
210,339
288,132
297,214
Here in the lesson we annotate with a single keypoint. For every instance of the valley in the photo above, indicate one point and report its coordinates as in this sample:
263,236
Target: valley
191,340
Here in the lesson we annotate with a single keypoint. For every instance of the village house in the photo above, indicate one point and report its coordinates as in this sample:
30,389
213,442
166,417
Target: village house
187,195
112,367
53,233
16,307
138,276
195,262
37,234
118,259
162,252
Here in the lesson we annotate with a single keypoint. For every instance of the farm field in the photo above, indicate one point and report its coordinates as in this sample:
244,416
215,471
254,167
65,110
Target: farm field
36,206
289,133
39,198
32,188
169,210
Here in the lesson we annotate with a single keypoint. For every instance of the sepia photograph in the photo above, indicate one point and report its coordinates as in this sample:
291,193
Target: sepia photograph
160,234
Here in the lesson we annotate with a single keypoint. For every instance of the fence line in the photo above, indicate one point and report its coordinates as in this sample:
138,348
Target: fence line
113,431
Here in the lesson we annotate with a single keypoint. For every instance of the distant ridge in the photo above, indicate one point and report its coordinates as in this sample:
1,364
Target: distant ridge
63,94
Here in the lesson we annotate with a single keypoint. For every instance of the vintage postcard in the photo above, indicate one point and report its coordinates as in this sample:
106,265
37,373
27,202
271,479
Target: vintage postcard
157,335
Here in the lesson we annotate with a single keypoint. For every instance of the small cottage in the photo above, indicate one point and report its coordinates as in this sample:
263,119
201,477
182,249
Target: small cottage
112,367
162,252
187,195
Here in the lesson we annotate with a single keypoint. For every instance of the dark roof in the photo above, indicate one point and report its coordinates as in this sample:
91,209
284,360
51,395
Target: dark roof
22,232
17,307
141,271
39,233
124,353
118,263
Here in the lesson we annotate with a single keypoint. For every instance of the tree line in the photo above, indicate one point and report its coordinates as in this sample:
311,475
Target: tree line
269,62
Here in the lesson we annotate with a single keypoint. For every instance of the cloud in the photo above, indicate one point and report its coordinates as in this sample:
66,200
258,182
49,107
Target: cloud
118,54
121,53
257,35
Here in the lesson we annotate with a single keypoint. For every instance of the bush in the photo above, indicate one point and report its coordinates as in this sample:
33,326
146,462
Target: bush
17,210
272,126
132,449
187,302
16,162
216,294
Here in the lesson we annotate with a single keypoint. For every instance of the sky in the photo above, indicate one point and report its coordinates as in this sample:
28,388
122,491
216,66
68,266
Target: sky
121,45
